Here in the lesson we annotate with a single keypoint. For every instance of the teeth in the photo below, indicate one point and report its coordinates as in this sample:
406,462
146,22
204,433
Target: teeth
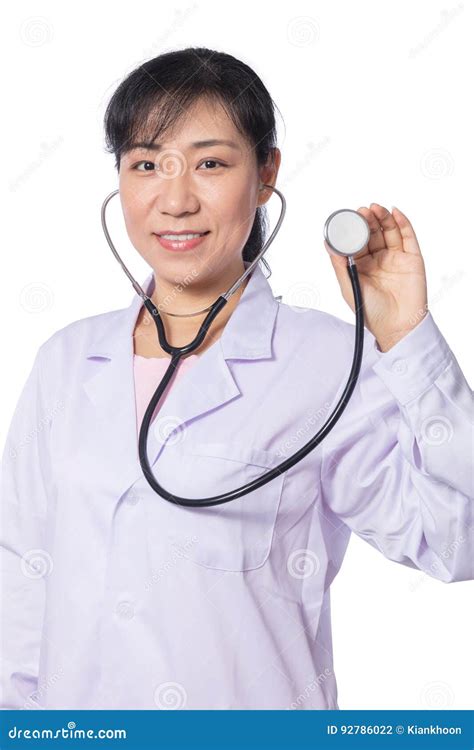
179,237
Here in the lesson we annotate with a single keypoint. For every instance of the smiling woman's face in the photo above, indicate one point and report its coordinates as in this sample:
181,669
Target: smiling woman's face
180,186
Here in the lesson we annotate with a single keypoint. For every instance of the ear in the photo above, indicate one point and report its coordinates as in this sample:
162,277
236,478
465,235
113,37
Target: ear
268,175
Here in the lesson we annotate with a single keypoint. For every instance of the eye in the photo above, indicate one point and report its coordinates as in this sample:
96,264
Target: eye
212,161
143,162
152,165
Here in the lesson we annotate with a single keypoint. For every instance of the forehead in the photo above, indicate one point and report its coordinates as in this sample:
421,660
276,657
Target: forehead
204,123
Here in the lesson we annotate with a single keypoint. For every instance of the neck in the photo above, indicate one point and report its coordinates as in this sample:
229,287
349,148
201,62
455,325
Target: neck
184,299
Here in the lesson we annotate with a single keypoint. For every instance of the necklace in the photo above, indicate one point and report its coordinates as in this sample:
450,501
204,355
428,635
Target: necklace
147,319
187,315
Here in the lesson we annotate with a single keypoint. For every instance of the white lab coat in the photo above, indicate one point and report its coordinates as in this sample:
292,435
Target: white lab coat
114,598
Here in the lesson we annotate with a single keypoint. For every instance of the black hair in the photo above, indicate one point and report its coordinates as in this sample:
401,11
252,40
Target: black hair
174,81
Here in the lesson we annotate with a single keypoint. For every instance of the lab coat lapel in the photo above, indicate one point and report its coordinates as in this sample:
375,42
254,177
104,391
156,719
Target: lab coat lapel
111,391
210,384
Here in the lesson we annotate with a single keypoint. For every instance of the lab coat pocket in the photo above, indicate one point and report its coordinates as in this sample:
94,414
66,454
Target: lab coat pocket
233,536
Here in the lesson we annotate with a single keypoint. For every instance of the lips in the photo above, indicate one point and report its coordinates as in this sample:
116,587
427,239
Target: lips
184,231
181,245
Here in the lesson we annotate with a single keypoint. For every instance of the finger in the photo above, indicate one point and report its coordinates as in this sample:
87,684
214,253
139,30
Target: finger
391,231
410,242
338,261
376,239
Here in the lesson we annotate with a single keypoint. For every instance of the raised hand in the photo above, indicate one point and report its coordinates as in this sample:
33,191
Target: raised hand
391,274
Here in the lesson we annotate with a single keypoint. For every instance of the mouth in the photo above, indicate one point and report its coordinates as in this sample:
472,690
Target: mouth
181,240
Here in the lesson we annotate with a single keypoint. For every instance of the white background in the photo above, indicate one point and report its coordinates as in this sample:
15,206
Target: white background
376,101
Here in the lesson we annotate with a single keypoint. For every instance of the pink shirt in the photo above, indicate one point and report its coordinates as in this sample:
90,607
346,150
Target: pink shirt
148,372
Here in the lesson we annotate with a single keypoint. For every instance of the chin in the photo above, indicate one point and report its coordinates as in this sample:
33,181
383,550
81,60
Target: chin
185,274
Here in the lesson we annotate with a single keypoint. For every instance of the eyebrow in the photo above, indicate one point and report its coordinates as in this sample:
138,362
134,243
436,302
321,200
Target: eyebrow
197,144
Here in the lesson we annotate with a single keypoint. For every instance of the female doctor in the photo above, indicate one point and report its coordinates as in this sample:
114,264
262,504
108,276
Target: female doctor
114,598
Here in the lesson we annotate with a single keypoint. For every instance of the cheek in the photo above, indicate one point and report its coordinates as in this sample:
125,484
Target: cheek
134,220
235,213
133,211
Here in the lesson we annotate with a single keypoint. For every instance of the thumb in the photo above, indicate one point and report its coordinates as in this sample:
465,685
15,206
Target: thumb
339,263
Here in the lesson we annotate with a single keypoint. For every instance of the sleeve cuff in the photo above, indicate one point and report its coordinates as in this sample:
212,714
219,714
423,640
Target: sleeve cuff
415,362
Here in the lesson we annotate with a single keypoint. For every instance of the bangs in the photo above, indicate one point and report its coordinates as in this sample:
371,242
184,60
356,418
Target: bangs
156,96
150,113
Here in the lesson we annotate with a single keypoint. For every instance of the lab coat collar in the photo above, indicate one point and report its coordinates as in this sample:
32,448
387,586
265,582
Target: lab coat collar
247,333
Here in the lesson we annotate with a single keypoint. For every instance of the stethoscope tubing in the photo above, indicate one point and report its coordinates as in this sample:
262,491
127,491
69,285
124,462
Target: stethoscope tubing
284,465
178,352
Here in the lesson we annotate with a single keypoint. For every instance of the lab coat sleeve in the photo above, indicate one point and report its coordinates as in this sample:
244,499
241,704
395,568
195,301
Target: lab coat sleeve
25,562
397,470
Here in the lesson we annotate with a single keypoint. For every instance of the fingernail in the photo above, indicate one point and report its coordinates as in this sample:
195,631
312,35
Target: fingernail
396,209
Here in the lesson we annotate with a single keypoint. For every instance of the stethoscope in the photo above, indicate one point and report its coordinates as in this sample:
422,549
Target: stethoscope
346,233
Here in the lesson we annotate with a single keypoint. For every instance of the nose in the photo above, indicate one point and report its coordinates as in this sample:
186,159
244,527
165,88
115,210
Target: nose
175,196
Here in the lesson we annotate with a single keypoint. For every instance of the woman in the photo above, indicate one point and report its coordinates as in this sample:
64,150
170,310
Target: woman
118,599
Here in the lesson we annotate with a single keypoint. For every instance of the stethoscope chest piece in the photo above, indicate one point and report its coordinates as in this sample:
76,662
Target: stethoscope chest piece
346,232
